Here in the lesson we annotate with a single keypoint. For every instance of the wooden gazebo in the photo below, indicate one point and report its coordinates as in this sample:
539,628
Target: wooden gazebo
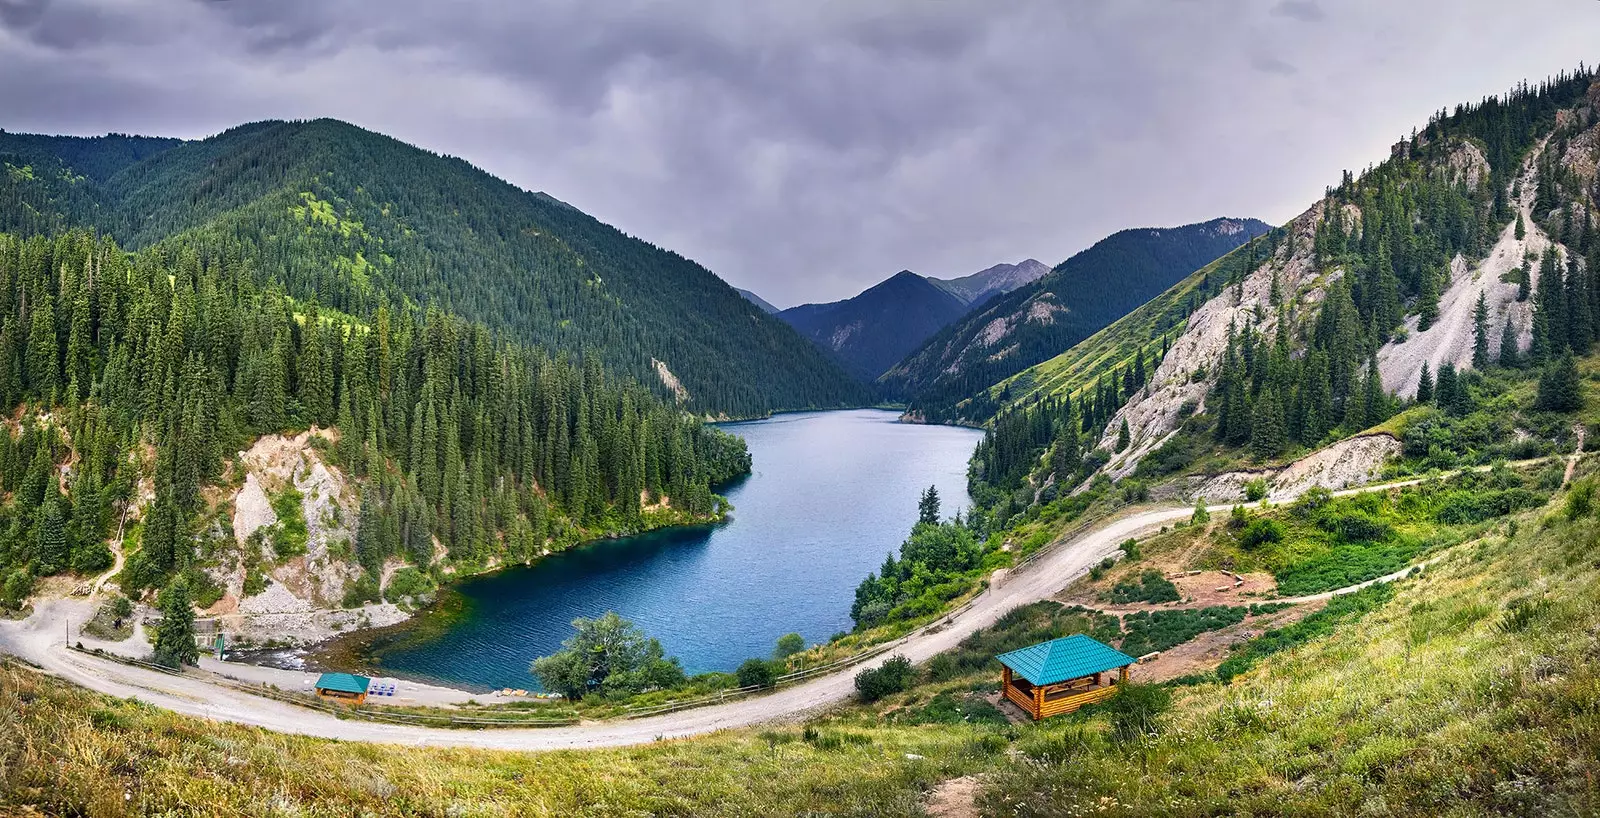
344,687
1062,675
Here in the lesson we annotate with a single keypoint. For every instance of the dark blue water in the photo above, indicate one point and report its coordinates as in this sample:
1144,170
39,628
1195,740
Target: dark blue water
830,495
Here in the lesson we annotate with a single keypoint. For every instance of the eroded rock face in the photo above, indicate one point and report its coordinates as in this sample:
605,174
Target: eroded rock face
1450,339
1185,374
302,598
1351,462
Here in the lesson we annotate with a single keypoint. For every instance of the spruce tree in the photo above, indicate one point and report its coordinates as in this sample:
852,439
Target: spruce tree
1428,300
1444,393
174,646
1267,434
1425,385
53,551
928,506
1480,334
1509,357
1123,436
1559,387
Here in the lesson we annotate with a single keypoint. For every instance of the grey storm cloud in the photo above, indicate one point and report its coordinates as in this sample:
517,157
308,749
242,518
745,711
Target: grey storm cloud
807,150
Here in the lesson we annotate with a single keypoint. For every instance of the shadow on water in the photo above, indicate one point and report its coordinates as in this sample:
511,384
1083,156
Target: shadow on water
831,494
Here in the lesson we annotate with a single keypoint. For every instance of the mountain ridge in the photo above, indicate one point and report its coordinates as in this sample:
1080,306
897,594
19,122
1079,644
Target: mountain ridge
357,218
946,378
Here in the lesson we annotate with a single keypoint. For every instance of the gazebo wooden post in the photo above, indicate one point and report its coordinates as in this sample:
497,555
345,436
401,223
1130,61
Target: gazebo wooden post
1038,702
1124,676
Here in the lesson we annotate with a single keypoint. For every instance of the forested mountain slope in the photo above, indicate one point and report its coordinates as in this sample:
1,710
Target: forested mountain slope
948,377
130,381
358,220
871,331
1449,275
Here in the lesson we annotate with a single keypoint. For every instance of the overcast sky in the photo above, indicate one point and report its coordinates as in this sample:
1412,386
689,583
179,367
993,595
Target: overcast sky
808,149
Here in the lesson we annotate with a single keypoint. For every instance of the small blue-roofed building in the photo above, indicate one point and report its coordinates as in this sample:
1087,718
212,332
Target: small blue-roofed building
344,687
1062,675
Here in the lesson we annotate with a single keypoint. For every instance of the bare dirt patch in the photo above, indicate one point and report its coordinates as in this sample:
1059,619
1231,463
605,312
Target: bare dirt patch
955,798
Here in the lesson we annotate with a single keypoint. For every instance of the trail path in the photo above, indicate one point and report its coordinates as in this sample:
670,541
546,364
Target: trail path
39,640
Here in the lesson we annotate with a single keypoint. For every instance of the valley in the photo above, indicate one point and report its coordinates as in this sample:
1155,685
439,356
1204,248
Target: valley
630,542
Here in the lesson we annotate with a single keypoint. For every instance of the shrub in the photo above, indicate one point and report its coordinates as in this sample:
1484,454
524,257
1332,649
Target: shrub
1358,527
1255,489
16,589
408,583
1260,532
893,676
788,645
757,673
1580,501
1150,587
1163,630
1136,711
360,592
1130,548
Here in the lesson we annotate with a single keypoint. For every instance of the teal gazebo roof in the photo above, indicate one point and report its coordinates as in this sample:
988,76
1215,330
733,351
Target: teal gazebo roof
1058,660
343,683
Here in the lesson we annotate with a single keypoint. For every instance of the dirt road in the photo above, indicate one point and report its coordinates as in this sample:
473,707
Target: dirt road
39,640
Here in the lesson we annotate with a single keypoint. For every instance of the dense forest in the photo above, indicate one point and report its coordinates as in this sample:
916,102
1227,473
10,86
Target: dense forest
1079,297
355,219
158,365
1316,379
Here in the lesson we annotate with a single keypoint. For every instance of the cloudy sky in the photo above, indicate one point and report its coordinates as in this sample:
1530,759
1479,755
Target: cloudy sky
806,149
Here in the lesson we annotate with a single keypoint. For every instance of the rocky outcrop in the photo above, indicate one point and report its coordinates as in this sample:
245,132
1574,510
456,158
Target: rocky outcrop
1183,377
1450,339
303,594
1354,461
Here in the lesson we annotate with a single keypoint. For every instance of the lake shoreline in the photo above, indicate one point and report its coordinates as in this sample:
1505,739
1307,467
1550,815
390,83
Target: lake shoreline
832,493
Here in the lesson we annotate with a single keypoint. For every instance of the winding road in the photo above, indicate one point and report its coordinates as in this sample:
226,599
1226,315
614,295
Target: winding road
39,640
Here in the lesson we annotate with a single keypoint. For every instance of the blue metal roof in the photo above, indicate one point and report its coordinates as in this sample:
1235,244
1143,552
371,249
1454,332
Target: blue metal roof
343,683
1058,660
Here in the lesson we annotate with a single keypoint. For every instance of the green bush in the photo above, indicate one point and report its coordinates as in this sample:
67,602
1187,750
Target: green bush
893,676
1260,532
408,583
757,673
1150,587
1255,490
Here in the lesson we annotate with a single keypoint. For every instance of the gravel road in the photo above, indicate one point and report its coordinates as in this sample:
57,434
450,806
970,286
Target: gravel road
38,640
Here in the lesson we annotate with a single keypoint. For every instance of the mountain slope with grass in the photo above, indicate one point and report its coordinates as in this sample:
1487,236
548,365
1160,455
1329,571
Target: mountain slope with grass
359,219
945,380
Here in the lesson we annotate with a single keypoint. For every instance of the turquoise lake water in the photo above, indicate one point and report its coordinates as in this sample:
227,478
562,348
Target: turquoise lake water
831,493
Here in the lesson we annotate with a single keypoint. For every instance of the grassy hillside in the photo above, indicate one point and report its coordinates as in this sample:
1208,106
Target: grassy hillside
1470,688
359,219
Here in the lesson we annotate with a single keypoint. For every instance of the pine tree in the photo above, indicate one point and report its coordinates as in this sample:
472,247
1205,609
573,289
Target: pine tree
1444,393
1559,388
1428,300
928,506
174,646
53,551
1509,356
1124,436
1480,334
1425,385
1267,434
1522,227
